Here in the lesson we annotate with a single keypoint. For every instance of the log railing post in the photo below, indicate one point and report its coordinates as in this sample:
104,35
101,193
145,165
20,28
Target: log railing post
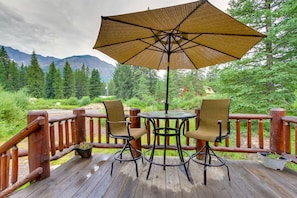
135,123
276,130
80,125
38,145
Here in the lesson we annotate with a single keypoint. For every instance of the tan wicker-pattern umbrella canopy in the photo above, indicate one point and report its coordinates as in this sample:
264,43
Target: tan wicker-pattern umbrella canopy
187,36
193,35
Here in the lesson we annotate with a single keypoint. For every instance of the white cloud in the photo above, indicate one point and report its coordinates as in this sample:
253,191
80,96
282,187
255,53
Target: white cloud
64,28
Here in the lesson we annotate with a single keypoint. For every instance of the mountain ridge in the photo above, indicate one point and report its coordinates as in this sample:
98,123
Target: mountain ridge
105,69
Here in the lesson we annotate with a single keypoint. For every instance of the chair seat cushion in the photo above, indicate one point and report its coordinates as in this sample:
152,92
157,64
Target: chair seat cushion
134,132
202,135
137,132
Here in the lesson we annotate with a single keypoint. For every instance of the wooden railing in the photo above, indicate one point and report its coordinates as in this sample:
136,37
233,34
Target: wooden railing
9,161
289,123
51,139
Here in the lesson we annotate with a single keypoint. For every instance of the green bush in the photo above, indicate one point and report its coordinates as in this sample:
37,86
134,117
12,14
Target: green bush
98,100
12,113
136,103
72,101
21,99
85,101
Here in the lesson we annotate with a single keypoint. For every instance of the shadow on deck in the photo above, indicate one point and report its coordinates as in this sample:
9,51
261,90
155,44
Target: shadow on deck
91,178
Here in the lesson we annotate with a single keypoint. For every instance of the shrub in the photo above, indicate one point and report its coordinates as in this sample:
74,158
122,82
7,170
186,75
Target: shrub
12,114
136,103
85,100
72,101
21,99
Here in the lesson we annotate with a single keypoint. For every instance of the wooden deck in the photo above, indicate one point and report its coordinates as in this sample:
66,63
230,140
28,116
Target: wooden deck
91,178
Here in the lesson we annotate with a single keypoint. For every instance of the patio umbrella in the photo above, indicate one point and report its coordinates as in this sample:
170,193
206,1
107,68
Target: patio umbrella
187,36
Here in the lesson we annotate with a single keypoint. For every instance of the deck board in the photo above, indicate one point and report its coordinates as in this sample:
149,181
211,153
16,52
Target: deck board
91,178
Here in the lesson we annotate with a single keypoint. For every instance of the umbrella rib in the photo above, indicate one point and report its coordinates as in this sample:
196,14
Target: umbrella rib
128,23
200,3
180,48
226,34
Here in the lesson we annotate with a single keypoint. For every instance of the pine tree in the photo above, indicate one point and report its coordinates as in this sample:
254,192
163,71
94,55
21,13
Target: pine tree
4,58
122,81
12,81
267,74
35,78
49,81
23,76
2,74
68,81
58,85
96,87
81,82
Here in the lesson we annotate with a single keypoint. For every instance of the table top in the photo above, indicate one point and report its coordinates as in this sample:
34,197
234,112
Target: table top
169,115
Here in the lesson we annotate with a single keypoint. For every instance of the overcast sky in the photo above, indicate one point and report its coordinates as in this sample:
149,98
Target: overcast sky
63,28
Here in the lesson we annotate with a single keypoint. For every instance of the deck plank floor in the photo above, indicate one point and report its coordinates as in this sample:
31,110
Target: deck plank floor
91,178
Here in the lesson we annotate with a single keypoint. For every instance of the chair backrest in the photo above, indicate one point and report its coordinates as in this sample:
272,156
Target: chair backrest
115,113
213,110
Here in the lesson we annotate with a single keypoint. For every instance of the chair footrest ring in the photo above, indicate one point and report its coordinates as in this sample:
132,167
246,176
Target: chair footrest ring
220,161
166,164
120,154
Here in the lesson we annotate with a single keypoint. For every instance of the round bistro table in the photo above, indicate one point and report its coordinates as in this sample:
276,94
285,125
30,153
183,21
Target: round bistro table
167,131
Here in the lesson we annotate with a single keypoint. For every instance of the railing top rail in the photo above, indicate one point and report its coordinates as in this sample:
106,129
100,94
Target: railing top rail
52,120
232,116
249,116
94,115
290,119
22,134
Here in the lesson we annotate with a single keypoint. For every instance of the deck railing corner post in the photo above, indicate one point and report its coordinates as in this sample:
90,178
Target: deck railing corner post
38,145
80,125
135,123
276,130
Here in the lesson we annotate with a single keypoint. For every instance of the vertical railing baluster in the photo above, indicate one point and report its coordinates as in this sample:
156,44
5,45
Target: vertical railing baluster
67,141
14,164
99,130
261,133
60,132
227,142
158,125
238,136
106,134
4,170
187,129
287,130
52,139
295,139
249,133
73,131
91,129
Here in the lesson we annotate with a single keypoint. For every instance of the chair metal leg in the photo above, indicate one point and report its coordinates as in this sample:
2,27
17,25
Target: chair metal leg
207,155
111,168
136,166
151,158
181,157
207,160
119,156
164,152
223,163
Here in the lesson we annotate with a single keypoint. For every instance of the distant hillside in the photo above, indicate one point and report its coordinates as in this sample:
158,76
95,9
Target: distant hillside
106,70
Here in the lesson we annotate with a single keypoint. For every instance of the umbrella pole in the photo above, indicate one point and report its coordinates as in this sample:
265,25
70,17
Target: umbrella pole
167,82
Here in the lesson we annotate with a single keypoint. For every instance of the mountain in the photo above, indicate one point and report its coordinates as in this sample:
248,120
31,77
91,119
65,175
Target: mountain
105,69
